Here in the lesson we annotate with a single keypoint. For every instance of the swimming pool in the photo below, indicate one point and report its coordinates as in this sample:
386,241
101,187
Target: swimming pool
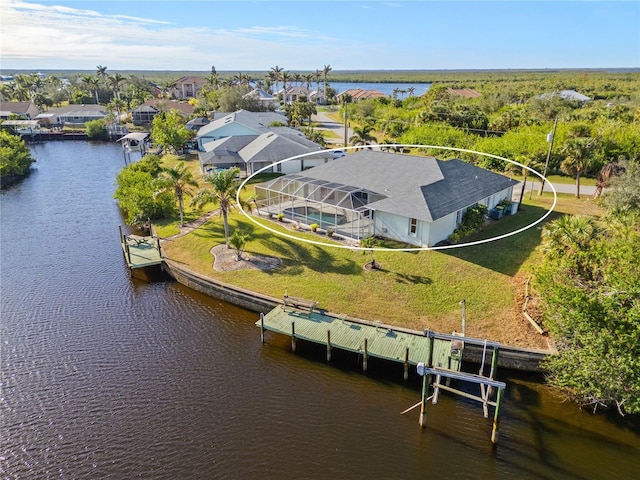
311,215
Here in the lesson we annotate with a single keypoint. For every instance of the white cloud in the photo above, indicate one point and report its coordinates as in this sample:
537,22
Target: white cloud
46,36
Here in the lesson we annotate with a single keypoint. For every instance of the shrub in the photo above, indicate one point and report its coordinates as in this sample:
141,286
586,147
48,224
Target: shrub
330,231
280,216
314,227
96,130
472,221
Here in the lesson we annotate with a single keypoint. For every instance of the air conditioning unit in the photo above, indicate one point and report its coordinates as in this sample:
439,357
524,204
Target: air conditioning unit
384,229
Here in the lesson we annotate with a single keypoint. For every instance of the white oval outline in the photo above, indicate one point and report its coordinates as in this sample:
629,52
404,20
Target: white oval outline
413,249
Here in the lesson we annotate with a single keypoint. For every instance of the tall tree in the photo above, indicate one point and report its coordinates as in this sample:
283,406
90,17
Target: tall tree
169,130
277,75
101,73
116,82
179,179
362,135
578,158
92,83
223,193
325,73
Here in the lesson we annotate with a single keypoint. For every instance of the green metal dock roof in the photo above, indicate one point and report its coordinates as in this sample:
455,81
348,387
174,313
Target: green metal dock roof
382,341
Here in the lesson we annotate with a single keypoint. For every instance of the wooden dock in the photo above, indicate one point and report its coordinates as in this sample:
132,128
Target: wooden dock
366,339
141,251
437,356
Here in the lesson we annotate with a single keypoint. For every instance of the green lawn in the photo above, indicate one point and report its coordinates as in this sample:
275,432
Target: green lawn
413,289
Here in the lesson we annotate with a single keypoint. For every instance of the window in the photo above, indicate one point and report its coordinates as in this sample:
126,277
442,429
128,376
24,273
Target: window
413,226
459,217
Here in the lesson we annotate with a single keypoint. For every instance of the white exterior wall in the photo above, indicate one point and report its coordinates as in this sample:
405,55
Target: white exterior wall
397,228
427,234
442,228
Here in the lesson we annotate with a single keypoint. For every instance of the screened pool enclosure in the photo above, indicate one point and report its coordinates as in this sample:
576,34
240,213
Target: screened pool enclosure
330,205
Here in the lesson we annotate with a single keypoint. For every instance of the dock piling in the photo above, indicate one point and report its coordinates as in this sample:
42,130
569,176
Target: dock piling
365,356
406,364
328,345
262,327
293,336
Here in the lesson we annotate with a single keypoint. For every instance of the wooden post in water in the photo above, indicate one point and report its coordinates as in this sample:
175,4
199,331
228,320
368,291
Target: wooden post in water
121,235
328,345
262,327
496,420
425,384
293,336
494,365
406,364
436,389
365,357
423,404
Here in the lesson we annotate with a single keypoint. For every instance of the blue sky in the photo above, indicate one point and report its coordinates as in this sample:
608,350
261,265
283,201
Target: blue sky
306,35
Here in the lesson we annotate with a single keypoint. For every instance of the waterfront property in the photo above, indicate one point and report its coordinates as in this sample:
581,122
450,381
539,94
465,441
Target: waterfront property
416,200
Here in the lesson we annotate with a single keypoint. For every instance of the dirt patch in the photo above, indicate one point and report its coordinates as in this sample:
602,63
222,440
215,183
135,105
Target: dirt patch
225,260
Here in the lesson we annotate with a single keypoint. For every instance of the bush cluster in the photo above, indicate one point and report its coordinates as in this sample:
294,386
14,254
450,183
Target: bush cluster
472,221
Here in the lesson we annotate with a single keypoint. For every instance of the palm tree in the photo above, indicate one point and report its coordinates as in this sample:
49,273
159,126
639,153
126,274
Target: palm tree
411,90
577,158
179,178
285,77
238,241
362,135
276,72
225,187
569,235
92,83
325,72
101,72
115,82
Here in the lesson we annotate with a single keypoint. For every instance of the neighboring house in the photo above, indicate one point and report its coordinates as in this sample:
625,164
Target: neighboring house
295,93
569,95
251,153
416,200
463,92
241,122
144,113
266,100
187,87
71,115
23,110
357,94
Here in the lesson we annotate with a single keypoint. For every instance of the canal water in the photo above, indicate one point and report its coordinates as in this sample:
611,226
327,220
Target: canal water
108,376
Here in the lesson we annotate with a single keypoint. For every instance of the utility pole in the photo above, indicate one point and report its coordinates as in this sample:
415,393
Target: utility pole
546,164
344,105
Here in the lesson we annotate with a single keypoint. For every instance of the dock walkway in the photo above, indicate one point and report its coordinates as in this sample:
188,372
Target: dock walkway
368,339
141,252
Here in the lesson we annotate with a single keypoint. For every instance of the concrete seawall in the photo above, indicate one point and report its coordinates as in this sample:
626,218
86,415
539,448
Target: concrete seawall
509,357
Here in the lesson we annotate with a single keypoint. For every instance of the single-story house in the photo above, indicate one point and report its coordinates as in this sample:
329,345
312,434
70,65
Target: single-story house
77,114
144,113
357,94
241,122
416,200
569,95
23,110
250,153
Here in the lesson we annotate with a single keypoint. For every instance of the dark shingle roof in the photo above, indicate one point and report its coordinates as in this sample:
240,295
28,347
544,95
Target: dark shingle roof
417,187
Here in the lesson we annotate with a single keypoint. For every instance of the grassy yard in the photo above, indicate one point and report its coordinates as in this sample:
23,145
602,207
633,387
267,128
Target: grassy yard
413,289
